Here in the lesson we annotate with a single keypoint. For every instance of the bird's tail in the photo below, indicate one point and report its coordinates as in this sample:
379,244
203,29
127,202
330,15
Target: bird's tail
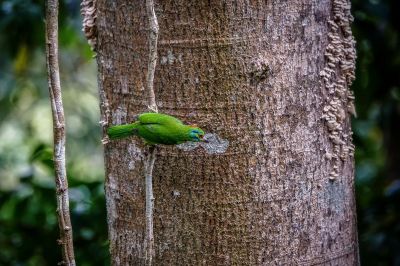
122,131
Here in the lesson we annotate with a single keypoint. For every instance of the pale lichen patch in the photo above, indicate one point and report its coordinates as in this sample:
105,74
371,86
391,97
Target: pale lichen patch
170,58
119,116
214,144
176,193
135,155
188,146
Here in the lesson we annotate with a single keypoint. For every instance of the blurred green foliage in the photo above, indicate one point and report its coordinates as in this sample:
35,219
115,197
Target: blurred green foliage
28,224
377,130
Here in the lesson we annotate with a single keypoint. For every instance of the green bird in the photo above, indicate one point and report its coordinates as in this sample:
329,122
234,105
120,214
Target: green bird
156,128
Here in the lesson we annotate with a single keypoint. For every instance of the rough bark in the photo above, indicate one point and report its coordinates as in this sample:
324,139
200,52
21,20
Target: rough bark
267,77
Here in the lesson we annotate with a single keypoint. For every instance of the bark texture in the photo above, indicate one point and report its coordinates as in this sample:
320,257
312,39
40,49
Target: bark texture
60,175
252,72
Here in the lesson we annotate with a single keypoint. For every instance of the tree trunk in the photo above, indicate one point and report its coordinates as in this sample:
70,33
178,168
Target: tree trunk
272,78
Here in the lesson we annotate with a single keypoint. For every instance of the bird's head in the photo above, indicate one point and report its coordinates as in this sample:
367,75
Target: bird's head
196,134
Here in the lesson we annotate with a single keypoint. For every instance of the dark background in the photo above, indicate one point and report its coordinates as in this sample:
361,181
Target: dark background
28,224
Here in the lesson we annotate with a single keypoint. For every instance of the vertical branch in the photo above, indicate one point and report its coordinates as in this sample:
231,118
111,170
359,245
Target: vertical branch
64,220
153,37
149,205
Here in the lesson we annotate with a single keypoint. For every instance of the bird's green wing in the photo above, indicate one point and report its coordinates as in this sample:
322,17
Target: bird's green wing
158,128
159,134
156,118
